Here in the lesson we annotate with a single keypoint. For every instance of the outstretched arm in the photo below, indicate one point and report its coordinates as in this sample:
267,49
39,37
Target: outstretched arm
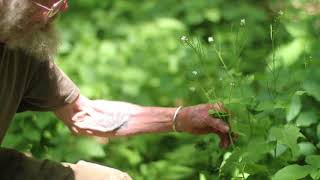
111,118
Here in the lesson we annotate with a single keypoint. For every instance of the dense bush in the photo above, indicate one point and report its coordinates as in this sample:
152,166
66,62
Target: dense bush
262,63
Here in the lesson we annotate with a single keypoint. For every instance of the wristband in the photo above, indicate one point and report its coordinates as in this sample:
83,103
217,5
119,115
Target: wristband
174,120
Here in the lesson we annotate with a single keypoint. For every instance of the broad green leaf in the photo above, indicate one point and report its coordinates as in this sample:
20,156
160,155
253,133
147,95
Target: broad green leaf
287,135
253,155
312,88
294,108
315,174
289,53
292,172
313,160
307,148
306,119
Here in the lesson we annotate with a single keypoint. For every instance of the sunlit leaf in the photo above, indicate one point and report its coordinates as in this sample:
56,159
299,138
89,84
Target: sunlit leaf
294,107
292,172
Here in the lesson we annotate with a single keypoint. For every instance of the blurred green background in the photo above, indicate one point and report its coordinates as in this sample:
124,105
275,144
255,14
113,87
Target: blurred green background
131,51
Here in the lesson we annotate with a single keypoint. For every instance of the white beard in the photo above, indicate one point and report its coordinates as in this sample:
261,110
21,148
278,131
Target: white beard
40,40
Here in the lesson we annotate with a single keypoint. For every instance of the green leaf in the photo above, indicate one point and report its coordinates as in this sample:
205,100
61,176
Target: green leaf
315,174
313,160
307,148
230,162
294,108
90,147
300,93
253,168
213,15
318,131
289,53
292,172
312,87
287,135
306,119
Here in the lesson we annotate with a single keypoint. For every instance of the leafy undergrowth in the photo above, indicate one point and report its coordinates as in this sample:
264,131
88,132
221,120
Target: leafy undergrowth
273,113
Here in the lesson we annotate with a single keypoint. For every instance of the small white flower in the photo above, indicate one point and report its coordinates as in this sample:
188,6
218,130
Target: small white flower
242,22
280,13
184,38
210,39
192,88
195,73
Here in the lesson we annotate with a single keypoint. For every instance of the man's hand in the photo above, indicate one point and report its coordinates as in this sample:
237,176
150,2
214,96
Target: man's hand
110,118
196,120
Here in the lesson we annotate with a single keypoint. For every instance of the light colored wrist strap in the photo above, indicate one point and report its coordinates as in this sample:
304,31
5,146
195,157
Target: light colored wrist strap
174,120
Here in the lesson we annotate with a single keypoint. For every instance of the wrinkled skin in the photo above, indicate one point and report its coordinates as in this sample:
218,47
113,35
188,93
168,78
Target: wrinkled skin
196,120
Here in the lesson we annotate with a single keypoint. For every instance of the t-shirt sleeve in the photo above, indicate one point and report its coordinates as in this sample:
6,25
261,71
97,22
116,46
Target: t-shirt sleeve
48,89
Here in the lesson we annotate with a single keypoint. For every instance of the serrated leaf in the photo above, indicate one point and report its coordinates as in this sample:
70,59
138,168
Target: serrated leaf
292,172
287,135
313,160
294,108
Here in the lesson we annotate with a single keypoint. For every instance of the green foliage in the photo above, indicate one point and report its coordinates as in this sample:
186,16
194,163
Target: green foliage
262,62
292,172
294,108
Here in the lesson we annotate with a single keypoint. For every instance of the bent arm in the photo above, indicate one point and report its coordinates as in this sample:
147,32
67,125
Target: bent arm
112,118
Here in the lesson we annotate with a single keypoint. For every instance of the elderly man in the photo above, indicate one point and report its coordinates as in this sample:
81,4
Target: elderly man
30,81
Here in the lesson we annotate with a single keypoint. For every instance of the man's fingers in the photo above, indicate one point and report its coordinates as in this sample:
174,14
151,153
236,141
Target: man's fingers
84,113
222,129
224,140
90,125
218,125
79,116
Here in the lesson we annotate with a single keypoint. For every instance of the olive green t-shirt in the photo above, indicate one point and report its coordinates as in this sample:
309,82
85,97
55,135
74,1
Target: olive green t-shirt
29,84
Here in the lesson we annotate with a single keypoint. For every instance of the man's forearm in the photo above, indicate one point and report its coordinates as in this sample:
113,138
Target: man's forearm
148,120
112,118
